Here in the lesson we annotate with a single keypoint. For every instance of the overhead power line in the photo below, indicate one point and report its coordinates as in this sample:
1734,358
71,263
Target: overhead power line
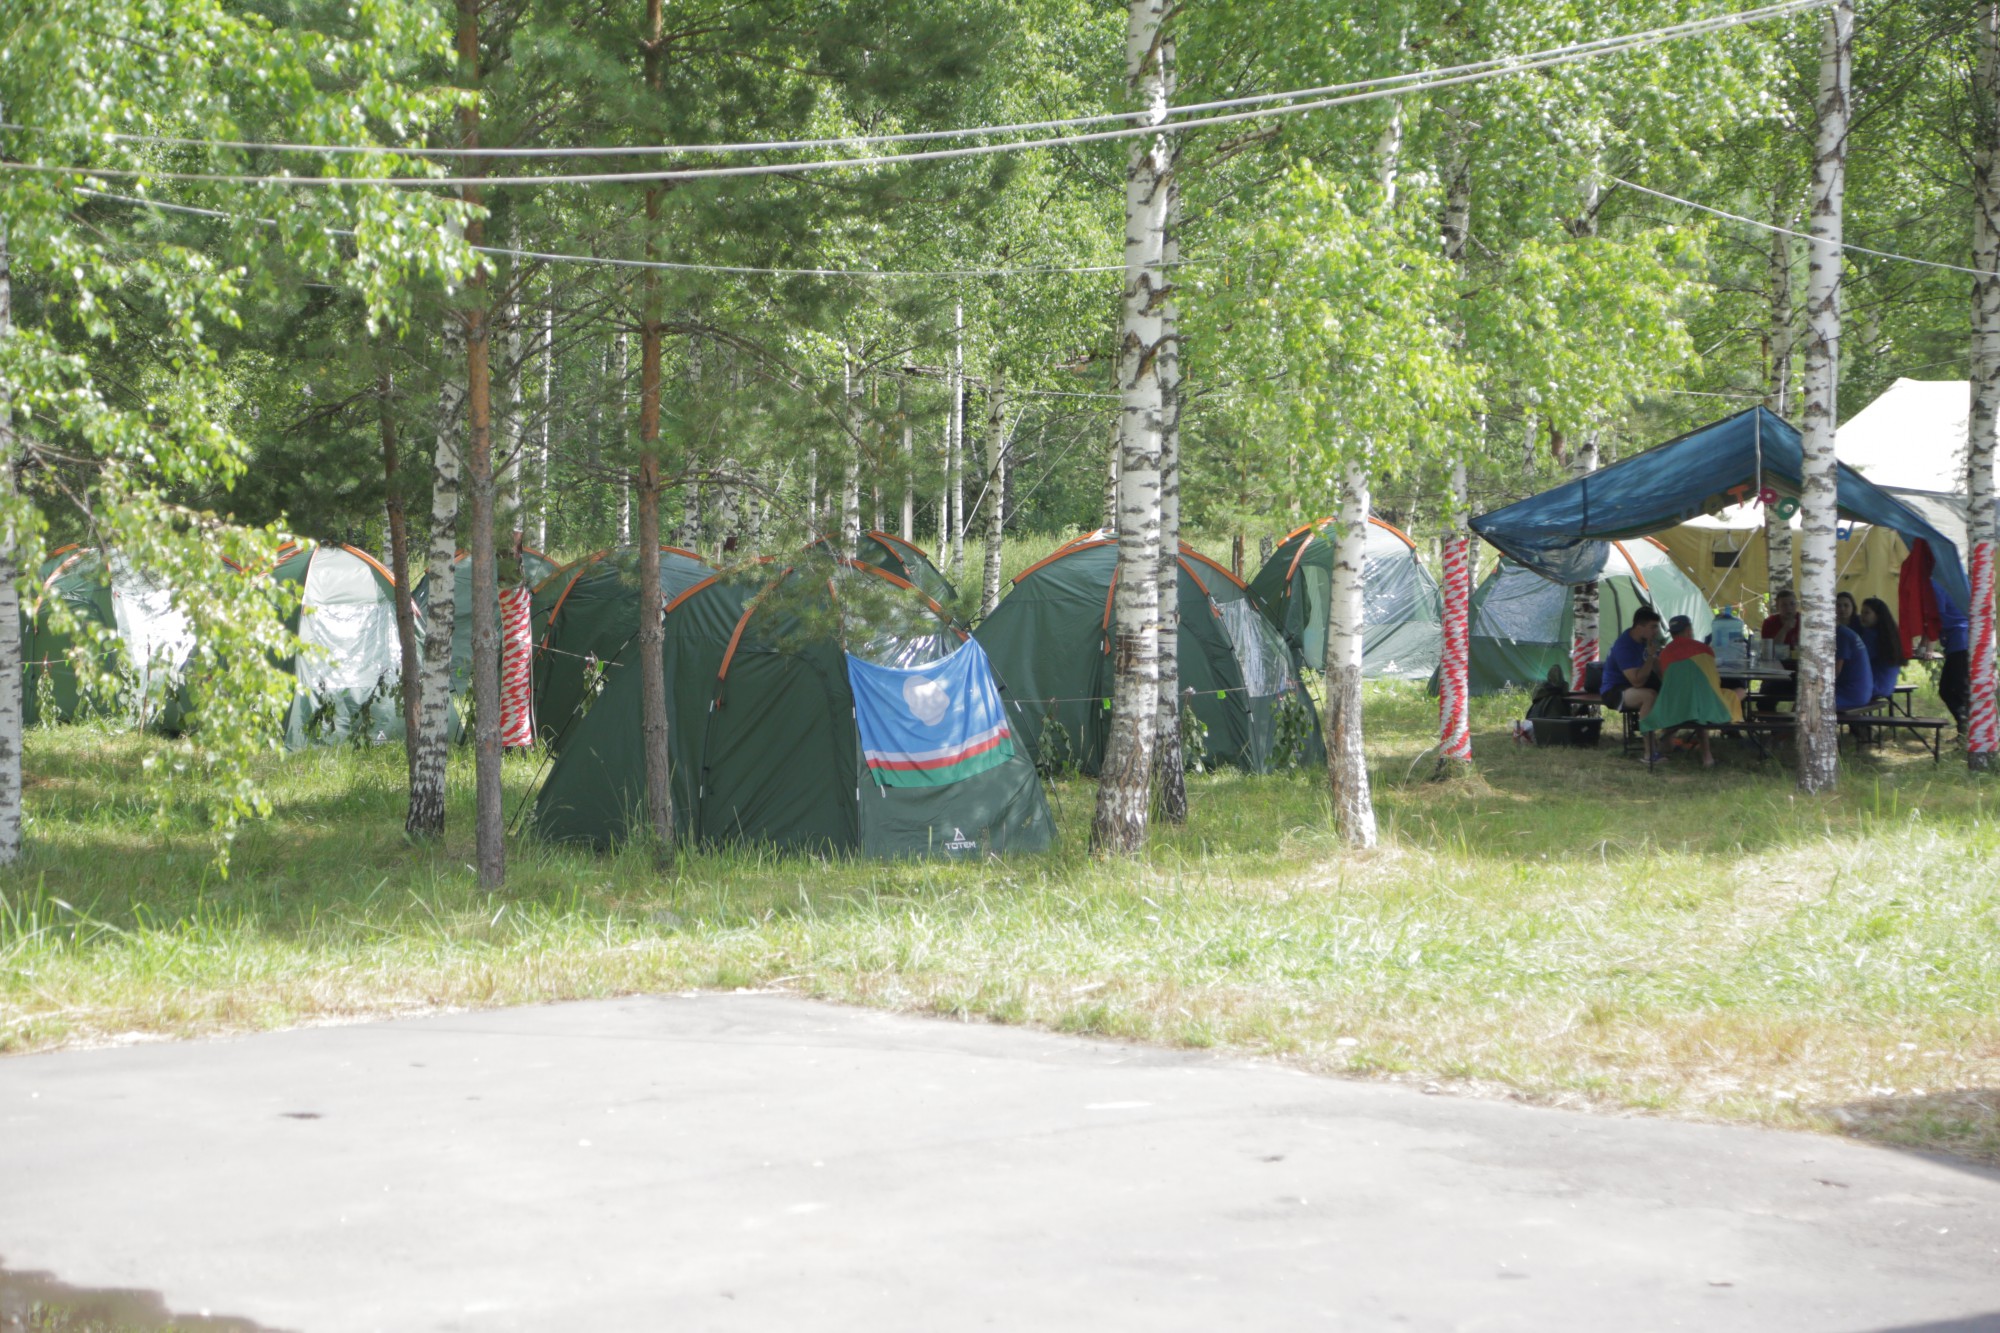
1801,235
1418,82
510,252
1497,64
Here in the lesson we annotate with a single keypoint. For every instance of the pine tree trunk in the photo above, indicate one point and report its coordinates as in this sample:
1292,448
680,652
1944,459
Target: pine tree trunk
1982,739
12,721
489,845
1125,779
399,563
1779,574
1818,727
1584,632
1346,759
1454,698
1169,763
996,489
427,781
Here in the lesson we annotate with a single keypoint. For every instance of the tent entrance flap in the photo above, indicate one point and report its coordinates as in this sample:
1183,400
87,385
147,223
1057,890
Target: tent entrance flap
1561,534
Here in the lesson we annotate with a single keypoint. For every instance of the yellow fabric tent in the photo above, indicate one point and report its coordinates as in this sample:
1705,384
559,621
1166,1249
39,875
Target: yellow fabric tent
1725,556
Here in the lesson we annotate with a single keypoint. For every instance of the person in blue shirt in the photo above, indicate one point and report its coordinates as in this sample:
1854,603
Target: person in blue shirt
1955,642
1853,673
1629,680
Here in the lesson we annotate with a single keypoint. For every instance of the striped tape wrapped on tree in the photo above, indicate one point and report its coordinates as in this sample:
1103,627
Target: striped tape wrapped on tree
1982,736
1455,732
517,669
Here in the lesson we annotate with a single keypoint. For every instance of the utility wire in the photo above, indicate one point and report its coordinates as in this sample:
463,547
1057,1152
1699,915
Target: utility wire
509,252
1496,64
1801,235
1420,83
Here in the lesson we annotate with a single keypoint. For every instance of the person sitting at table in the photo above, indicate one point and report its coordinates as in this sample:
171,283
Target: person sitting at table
1884,642
1780,627
1846,611
1628,668
1691,693
1853,673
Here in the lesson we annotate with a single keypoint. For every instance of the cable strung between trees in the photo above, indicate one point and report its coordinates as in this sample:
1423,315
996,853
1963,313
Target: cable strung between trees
1419,83
1493,65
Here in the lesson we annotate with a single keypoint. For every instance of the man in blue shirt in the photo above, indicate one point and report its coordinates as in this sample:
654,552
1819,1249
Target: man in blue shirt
1853,673
1628,667
1955,642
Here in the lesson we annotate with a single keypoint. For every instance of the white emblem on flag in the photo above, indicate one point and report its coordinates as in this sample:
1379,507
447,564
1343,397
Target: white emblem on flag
927,699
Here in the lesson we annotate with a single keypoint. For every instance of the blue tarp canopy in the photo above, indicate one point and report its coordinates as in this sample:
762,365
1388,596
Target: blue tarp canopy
1560,534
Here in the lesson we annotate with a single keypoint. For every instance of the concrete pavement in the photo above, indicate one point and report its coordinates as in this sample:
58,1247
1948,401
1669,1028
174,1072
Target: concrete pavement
757,1162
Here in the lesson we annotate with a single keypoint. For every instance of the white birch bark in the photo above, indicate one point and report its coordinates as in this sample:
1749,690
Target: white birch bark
1169,763
12,726
909,526
1111,474
688,535
427,764
1346,760
1779,574
996,489
1818,728
944,496
623,449
1982,739
513,440
1125,778
850,478
955,444
1454,699
548,419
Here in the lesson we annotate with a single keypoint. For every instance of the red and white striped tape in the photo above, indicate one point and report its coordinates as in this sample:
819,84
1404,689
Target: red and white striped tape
517,669
1582,652
1454,722
1982,734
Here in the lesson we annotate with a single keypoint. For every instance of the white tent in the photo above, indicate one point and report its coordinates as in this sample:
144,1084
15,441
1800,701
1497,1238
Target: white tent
1912,437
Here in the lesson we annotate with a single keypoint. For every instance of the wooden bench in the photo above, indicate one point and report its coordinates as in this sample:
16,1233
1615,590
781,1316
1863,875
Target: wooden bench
1902,700
1868,727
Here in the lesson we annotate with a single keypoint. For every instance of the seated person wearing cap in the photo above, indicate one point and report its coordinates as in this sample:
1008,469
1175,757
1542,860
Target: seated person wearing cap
1629,680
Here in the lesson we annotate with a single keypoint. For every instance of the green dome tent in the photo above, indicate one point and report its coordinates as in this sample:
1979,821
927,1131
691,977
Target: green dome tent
1402,621
534,567
1521,622
1050,643
153,638
350,668
584,615
906,561
764,738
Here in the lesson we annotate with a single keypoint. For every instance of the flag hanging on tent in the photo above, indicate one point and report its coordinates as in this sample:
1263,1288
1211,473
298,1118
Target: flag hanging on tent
931,725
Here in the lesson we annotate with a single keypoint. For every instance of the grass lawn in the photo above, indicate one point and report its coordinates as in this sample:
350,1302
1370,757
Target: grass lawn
1565,927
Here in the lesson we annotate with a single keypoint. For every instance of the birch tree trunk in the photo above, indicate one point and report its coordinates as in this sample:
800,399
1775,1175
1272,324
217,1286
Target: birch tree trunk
996,489
427,763
513,425
1125,779
1346,760
12,722
489,828
1982,737
1818,727
1584,631
1169,764
548,419
850,477
1454,697
909,527
621,448
1779,574
399,562
955,445
689,533
944,497
653,734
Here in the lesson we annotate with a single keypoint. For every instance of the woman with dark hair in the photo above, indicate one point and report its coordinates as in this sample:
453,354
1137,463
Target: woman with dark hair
1885,645
1845,612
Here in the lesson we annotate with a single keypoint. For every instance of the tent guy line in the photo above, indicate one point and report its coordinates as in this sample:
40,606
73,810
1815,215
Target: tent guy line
1494,64
1637,42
